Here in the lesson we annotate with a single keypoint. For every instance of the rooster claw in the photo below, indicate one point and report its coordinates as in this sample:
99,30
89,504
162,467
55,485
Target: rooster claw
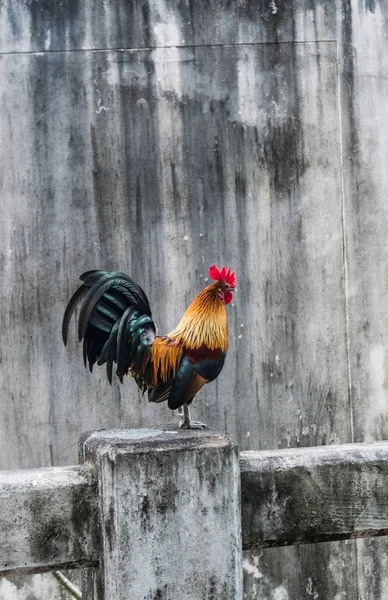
192,424
186,422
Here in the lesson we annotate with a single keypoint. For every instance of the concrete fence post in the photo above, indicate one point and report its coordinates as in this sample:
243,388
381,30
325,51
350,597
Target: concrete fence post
169,505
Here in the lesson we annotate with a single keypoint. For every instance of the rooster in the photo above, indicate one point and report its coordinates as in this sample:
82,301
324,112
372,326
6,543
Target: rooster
116,326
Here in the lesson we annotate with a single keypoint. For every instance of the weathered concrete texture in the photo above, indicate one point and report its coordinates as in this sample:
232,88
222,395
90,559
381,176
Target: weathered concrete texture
366,157
314,494
290,496
170,160
35,587
98,167
170,514
373,564
306,572
77,25
48,519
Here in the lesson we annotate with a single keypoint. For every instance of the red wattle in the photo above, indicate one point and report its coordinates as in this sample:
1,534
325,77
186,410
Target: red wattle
228,297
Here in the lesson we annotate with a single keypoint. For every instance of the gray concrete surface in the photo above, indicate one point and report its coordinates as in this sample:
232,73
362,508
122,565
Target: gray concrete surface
169,514
298,496
48,519
269,154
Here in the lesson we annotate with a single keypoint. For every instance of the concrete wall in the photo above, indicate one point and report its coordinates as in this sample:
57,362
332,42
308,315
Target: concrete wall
157,137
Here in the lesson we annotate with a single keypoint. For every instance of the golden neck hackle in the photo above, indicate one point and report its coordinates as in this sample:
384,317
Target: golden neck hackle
204,322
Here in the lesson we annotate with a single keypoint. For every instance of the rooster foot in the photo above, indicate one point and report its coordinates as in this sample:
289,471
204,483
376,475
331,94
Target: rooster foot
186,422
192,425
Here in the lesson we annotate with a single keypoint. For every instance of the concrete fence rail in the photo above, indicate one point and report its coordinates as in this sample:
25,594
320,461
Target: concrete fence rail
157,511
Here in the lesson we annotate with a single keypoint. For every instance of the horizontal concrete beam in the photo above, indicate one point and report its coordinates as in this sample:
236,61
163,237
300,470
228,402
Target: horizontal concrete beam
306,495
48,519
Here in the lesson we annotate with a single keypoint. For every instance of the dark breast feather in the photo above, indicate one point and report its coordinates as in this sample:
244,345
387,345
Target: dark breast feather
207,363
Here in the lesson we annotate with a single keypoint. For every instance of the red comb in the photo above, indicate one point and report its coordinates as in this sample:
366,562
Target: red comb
222,275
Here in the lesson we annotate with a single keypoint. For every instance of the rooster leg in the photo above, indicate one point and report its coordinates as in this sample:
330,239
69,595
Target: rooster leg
186,422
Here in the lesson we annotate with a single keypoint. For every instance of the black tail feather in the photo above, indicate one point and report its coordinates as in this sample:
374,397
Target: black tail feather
85,347
115,302
70,308
90,277
121,344
115,324
93,354
94,294
110,342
